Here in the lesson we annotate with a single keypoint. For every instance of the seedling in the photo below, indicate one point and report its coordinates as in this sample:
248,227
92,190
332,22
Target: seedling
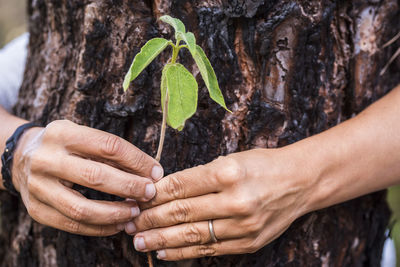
179,88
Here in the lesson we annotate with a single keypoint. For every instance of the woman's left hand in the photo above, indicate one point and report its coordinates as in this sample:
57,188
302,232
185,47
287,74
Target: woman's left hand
251,197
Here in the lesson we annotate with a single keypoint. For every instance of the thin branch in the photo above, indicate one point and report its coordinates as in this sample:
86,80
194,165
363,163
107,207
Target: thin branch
391,41
390,62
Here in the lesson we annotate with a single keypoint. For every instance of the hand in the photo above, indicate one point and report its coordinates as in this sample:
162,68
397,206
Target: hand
252,197
48,161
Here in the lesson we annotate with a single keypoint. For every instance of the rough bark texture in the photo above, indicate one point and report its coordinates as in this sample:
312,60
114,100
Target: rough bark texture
289,69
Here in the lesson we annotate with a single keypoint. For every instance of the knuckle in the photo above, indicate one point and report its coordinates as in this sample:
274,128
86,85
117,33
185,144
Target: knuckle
102,230
92,174
149,219
252,246
175,187
245,204
51,128
241,207
33,211
252,226
180,255
33,185
161,241
38,161
116,216
138,161
73,226
56,128
78,213
112,145
192,235
180,211
132,188
206,250
230,171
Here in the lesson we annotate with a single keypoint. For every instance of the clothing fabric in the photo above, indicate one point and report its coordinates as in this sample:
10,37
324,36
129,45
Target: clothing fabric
12,67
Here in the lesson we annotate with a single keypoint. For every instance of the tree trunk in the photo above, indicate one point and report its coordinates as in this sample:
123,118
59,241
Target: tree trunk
288,69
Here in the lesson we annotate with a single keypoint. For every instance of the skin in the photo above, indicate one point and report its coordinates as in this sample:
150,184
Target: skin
48,161
253,196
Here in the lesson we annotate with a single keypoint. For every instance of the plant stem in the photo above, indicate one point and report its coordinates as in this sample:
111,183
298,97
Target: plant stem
150,259
159,152
163,128
175,53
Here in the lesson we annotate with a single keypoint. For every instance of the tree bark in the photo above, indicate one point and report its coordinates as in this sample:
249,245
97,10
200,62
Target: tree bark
288,69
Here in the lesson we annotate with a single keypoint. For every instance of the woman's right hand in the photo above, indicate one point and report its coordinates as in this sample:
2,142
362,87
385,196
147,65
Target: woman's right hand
48,161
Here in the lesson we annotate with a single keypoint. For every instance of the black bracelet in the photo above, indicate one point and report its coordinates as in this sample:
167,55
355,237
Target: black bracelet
8,155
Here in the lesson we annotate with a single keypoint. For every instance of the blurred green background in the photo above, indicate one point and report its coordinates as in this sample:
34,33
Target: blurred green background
12,19
13,23
394,203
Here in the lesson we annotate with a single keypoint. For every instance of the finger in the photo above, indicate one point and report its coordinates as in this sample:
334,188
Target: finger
72,204
192,182
187,234
237,246
46,215
102,177
248,244
91,143
210,206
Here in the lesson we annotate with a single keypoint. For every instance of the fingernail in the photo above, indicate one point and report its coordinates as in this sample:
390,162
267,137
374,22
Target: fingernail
157,173
139,243
120,227
130,228
161,254
135,211
150,191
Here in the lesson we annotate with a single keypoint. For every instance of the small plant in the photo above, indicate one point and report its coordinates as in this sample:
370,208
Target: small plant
179,88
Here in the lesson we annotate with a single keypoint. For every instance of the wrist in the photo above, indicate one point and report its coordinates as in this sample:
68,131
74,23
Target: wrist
20,160
304,173
291,174
324,168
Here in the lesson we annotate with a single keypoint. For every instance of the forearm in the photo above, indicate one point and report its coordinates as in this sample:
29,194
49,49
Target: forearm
9,124
357,157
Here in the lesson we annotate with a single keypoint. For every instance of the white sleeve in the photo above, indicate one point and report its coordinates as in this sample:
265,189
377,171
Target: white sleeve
12,66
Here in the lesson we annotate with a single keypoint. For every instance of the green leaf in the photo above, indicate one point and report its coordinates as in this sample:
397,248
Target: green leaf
182,95
142,59
209,77
190,40
177,24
